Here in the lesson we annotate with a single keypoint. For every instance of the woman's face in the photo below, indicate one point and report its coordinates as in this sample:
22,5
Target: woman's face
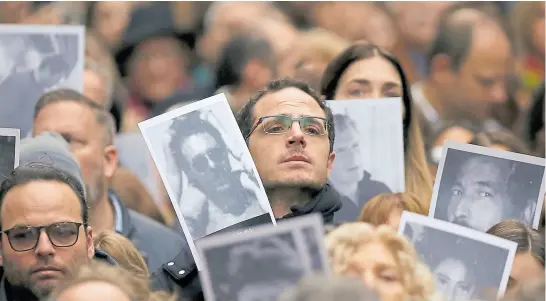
524,268
373,77
453,280
376,266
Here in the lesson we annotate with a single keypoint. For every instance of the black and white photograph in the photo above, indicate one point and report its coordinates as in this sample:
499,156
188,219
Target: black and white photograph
466,264
478,187
207,169
36,59
9,151
369,151
262,263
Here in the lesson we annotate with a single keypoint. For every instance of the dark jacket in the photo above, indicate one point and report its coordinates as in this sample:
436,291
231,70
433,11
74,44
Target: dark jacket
180,275
157,243
9,293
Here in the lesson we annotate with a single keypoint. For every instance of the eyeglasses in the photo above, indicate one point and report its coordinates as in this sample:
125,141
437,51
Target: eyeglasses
26,238
280,124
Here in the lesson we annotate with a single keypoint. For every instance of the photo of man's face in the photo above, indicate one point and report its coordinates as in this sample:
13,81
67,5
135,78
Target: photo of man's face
348,166
454,280
210,163
479,195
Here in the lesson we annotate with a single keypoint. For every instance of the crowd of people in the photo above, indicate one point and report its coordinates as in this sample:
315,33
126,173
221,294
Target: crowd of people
77,225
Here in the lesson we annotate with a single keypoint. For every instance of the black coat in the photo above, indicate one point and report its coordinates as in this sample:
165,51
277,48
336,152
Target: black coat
181,275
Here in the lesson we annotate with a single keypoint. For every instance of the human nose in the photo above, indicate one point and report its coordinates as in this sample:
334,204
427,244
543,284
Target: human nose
462,210
498,93
296,135
44,247
369,280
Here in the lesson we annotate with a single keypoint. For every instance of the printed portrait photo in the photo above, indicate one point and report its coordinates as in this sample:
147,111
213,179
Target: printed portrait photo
477,188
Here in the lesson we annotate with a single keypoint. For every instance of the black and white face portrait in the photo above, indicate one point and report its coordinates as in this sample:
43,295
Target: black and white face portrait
9,151
466,264
263,263
369,152
35,60
479,190
206,168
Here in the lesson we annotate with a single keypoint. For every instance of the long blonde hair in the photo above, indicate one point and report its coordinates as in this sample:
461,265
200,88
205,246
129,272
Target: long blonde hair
378,209
346,240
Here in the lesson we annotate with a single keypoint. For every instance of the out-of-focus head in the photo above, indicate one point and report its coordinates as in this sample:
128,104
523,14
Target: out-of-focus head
98,83
223,20
387,208
289,153
246,63
281,34
126,255
323,288
88,128
38,196
109,19
417,21
14,11
357,21
98,281
501,140
527,20
470,60
529,261
381,259
310,55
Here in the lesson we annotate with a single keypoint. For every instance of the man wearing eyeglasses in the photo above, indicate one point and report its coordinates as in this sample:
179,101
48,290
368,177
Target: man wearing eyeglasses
45,235
289,131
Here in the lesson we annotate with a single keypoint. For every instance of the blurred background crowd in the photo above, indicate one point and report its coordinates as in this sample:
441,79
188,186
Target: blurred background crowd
473,80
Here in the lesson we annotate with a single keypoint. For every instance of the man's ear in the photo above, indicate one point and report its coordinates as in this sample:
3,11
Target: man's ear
110,161
330,162
440,68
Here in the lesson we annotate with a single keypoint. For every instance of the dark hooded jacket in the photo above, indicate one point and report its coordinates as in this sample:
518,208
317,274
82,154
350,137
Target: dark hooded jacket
11,293
181,275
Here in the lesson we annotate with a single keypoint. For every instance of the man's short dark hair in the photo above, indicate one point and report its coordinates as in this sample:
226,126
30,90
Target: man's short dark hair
454,39
245,118
103,117
31,172
236,55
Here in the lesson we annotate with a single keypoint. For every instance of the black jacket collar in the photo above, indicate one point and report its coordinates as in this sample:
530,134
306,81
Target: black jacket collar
326,202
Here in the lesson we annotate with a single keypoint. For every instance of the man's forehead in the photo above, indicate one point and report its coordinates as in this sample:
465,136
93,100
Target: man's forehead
198,143
290,101
483,168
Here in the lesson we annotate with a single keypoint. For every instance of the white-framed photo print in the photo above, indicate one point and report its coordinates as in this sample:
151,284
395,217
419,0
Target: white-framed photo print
207,170
10,140
264,262
467,264
369,146
478,187
36,59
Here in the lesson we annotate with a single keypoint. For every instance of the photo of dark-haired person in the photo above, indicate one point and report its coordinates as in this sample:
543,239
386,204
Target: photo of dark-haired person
369,152
478,190
35,59
9,152
229,196
254,270
466,264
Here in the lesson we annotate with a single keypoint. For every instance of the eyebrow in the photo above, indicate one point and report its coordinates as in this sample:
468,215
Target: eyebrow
484,183
390,85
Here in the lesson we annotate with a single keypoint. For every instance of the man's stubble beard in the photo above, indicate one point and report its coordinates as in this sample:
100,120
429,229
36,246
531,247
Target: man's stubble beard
18,276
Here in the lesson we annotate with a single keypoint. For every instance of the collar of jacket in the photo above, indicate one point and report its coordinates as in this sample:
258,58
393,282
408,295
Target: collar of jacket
122,220
326,202
99,256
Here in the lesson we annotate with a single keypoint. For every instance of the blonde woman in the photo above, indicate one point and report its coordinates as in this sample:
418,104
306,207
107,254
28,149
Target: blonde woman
98,281
387,208
384,261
